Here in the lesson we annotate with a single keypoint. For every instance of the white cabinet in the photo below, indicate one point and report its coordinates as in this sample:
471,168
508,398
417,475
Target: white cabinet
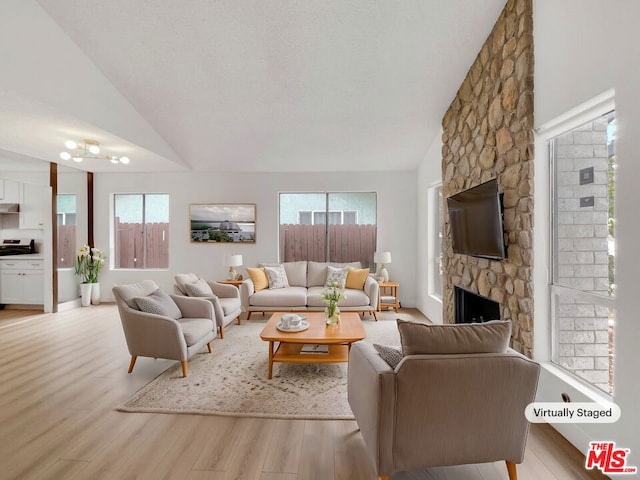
22,282
9,191
34,202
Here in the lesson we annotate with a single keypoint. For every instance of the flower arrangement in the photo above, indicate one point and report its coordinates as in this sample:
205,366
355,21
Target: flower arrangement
332,295
89,262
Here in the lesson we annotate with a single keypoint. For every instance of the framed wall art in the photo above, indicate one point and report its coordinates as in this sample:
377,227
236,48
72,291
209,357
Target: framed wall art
223,222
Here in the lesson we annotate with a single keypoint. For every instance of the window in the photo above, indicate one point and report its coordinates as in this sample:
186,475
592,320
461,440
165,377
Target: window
583,250
435,241
66,225
141,227
349,235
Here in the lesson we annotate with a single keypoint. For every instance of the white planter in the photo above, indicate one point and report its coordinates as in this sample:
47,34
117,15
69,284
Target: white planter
85,294
95,293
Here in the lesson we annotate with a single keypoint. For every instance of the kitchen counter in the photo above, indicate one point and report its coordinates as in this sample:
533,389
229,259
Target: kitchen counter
28,256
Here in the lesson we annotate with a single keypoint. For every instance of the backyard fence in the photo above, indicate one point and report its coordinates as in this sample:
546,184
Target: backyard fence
133,240
347,243
66,246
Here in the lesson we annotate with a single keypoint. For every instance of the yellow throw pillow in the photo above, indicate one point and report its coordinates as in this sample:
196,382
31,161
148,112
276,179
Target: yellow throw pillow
259,278
356,278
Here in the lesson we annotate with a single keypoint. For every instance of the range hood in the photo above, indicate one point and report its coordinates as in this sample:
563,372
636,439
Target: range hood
9,208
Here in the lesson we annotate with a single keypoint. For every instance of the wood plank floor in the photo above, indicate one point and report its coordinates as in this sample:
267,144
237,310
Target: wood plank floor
62,375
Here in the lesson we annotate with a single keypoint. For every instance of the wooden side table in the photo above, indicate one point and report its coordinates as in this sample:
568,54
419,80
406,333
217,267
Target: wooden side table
235,283
388,297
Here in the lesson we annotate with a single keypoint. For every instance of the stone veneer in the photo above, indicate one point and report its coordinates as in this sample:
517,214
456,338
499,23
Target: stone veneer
487,133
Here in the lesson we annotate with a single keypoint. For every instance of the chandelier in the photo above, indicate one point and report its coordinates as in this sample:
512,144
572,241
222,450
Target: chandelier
88,149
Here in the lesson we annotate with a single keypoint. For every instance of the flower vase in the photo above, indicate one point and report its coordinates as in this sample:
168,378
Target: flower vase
95,293
85,294
332,314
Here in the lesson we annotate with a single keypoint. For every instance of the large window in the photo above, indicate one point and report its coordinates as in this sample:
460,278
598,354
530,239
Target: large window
66,225
349,235
583,250
141,227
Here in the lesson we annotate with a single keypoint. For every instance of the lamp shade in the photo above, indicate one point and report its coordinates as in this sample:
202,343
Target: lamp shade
233,260
382,257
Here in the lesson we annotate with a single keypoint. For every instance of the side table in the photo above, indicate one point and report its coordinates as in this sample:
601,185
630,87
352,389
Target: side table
389,296
235,283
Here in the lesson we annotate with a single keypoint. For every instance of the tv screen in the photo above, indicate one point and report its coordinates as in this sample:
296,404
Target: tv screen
475,216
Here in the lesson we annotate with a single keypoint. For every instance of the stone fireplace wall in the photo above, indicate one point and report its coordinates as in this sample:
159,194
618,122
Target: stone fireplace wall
487,133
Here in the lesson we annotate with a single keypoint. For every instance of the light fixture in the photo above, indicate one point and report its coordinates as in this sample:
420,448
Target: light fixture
232,261
88,149
381,258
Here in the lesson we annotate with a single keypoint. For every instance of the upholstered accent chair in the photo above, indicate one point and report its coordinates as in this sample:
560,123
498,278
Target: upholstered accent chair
159,325
462,403
224,298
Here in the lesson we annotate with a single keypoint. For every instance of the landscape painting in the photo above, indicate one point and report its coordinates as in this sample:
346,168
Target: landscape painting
223,222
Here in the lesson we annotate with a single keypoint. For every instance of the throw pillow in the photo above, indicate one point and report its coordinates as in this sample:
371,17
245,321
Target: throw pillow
159,303
199,288
277,276
391,355
336,275
356,278
420,338
259,278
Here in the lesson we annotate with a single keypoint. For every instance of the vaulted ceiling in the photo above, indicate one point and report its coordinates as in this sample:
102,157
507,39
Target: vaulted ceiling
236,85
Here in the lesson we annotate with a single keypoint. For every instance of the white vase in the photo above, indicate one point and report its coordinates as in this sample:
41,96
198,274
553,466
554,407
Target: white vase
85,294
95,293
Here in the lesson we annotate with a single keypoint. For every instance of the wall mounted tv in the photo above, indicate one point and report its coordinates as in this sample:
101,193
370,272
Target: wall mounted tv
476,220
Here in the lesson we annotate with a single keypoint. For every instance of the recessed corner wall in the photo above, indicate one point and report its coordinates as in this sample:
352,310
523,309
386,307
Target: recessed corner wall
488,133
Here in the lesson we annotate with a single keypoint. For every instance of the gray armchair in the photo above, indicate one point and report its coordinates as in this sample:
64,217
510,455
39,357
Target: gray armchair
225,298
163,336
435,410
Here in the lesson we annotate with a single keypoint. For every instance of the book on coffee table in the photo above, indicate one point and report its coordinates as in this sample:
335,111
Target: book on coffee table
314,348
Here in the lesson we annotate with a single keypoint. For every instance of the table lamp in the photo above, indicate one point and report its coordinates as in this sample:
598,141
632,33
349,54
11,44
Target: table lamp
380,258
231,261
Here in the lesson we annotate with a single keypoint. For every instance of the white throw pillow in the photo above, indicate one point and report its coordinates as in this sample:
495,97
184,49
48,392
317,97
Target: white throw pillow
159,303
336,275
199,288
277,276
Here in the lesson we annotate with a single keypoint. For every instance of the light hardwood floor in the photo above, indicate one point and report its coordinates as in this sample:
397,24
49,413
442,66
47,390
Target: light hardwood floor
63,375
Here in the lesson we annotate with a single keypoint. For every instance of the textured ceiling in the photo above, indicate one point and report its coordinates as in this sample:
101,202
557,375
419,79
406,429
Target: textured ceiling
318,85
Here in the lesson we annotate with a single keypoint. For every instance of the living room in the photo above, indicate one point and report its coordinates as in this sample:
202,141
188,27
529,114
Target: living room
574,63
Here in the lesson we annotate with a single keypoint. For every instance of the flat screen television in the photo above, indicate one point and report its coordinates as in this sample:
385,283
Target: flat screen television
476,220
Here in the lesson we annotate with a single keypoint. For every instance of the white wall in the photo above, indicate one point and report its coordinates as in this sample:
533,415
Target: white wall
429,174
582,49
396,219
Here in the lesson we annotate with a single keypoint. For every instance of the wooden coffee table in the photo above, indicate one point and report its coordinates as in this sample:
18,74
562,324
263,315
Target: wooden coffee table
288,346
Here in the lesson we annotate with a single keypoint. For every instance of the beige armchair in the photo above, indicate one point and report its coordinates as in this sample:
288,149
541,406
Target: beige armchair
435,410
176,329
224,298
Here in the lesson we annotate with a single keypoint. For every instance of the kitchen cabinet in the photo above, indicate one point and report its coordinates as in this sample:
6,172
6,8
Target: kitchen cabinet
9,191
34,202
22,282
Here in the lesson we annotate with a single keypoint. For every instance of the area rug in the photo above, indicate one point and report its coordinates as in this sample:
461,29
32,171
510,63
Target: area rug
232,381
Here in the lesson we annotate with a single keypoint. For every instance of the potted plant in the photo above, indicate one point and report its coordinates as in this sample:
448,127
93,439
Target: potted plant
332,295
89,262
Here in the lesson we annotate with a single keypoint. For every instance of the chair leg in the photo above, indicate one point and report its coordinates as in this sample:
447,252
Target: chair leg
384,477
221,332
511,470
132,363
185,367
249,315
238,319
209,347
375,316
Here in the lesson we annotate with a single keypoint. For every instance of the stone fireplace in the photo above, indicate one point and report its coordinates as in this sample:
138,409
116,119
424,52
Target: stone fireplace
473,308
488,133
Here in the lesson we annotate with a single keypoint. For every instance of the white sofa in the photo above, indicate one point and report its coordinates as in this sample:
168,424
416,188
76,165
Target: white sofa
306,283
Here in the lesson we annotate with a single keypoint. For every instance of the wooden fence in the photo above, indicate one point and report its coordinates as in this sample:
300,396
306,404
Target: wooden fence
131,239
67,246
347,243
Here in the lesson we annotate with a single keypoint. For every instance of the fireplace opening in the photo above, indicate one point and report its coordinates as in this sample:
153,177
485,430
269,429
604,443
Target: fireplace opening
473,308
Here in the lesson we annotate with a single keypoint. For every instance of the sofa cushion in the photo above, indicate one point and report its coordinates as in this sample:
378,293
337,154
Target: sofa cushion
182,279
195,329
296,273
353,298
316,274
280,297
277,276
259,278
336,276
199,288
356,278
159,303
391,355
488,337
